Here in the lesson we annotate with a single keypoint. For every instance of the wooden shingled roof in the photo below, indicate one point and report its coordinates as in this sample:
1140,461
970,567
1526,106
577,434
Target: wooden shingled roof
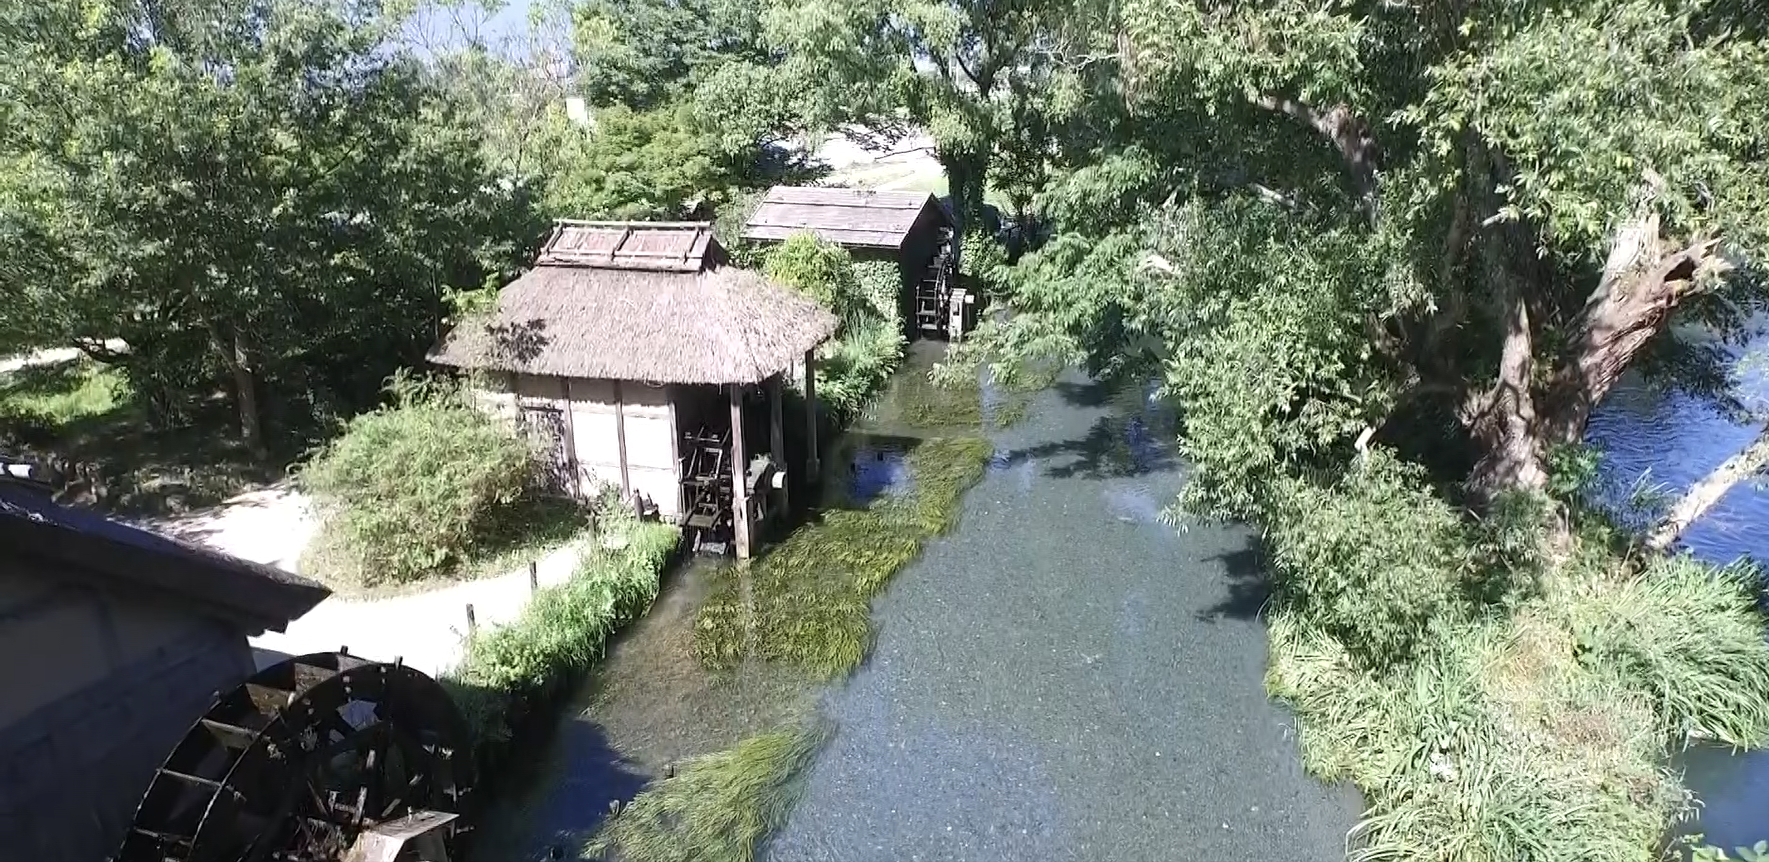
862,218
656,246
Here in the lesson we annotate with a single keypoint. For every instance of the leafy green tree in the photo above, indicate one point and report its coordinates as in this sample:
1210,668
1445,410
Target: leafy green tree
260,196
642,53
1512,200
967,70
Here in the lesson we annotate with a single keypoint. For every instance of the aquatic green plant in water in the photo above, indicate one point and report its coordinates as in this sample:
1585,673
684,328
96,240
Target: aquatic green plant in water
806,602
717,807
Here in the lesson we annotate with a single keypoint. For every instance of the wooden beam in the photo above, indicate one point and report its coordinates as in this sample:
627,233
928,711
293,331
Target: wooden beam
776,436
675,426
620,441
739,476
577,478
812,461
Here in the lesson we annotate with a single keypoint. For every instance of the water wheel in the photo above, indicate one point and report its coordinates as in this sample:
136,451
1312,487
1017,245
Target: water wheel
304,761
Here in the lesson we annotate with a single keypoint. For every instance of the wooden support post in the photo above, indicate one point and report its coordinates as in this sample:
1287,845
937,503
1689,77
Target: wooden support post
534,576
812,459
739,477
620,440
472,623
776,437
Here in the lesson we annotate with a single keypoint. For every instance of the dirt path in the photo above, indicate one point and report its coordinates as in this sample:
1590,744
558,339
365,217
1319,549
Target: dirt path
428,629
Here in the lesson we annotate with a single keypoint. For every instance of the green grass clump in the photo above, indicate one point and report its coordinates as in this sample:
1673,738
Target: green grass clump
411,491
717,807
851,369
562,631
806,602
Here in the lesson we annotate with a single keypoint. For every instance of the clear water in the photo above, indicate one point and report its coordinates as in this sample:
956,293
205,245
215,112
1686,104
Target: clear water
1667,441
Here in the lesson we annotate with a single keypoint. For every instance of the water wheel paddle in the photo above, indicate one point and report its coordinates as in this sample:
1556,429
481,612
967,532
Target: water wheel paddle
309,760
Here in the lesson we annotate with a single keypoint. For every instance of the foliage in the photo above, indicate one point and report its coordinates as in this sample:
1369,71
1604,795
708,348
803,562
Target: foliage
880,284
641,53
1375,561
818,268
865,297
717,807
1540,735
334,196
36,402
563,630
410,490
948,67
853,368
809,597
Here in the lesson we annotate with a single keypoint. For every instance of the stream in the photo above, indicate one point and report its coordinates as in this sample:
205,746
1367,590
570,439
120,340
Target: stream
1672,440
1060,677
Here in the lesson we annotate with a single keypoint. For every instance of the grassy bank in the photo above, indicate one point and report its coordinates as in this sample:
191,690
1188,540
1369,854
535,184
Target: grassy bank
86,415
1492,700
510,671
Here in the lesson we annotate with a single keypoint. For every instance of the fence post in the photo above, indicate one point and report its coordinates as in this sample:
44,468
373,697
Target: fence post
472,624
534,576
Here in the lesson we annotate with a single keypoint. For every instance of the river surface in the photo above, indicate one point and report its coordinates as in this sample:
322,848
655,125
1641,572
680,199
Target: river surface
1666,441
1066,678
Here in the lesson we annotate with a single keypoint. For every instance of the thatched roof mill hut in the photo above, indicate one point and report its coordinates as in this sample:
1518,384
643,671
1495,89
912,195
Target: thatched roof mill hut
642,361
911,229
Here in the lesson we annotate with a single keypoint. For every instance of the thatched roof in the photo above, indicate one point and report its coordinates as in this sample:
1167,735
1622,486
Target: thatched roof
856,218
723,326
85,546
664,246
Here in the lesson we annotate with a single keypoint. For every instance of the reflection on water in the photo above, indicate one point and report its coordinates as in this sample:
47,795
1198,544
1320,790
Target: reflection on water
1664,442
877,469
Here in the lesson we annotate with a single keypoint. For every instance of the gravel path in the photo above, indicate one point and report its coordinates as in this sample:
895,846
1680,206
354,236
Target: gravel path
1063,678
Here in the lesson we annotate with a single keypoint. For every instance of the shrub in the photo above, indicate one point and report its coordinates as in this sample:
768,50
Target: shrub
821,270
1685,635
1374,560
879,284
856,366
562,631
410,490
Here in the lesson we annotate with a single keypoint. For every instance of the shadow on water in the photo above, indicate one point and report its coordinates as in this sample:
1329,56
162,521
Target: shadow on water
877,466
1131,440
1249,586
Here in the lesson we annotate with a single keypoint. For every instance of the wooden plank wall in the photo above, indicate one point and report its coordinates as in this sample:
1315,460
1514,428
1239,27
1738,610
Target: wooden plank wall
595,409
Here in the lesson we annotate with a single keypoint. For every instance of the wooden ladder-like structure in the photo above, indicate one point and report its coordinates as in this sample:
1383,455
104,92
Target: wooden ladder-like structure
933,294
706,481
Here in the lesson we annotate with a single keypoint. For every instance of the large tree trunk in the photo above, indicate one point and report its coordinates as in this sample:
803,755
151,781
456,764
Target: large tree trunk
1503,419
1643,282
1709,490
235,351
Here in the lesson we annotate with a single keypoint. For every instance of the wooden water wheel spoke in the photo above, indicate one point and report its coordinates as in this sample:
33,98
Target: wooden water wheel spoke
299,761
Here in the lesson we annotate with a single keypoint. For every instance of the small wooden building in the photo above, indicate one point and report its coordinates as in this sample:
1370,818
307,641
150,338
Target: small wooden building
115,641
646,363
911,229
